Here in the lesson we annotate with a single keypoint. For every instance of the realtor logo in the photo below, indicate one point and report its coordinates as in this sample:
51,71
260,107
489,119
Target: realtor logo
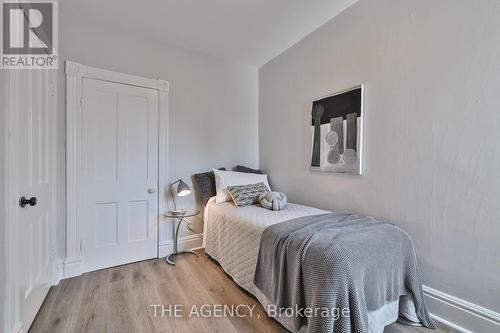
29,34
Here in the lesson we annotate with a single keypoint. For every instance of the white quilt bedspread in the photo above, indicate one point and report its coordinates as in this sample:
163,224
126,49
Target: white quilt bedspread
232,235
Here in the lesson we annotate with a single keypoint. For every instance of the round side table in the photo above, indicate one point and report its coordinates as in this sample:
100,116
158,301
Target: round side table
180,217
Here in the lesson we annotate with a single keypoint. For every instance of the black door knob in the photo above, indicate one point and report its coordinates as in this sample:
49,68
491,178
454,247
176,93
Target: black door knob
23,201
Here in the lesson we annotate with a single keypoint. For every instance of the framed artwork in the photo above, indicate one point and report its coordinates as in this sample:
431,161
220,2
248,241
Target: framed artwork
337,132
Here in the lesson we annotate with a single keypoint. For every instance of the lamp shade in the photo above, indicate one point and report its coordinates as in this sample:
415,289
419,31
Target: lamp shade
183,189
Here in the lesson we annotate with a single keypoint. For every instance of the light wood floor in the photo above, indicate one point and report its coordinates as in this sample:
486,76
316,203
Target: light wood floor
119,299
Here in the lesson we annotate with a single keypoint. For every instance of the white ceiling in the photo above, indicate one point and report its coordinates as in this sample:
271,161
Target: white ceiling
249,31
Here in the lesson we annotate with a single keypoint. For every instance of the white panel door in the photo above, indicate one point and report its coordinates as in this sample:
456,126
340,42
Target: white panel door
118,176
33,146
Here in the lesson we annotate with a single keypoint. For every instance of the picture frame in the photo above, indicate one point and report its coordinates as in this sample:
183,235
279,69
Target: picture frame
337,132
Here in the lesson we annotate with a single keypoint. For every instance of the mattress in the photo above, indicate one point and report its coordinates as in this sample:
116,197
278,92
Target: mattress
232,237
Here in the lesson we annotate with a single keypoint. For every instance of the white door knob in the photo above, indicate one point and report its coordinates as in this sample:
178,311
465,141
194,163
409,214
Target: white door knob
151,190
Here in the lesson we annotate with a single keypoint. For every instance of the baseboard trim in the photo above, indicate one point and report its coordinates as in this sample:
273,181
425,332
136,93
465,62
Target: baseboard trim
72,268
450,324
460,314
59,271
190,242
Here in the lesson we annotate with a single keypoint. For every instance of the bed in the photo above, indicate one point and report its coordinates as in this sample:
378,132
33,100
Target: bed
232,237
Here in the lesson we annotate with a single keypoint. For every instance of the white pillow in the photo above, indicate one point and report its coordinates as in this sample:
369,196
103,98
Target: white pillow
223,179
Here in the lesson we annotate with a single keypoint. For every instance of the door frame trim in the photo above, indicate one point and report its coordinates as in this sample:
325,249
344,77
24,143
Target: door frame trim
75,73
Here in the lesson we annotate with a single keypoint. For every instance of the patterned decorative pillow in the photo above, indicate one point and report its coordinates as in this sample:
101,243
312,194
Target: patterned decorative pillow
246,195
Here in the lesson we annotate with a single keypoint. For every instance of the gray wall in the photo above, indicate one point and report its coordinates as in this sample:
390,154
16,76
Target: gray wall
213,103
432,152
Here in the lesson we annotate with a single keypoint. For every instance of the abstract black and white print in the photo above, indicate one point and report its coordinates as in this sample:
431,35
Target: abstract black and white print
337,132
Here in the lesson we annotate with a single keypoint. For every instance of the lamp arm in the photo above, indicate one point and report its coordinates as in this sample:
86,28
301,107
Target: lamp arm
178,180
